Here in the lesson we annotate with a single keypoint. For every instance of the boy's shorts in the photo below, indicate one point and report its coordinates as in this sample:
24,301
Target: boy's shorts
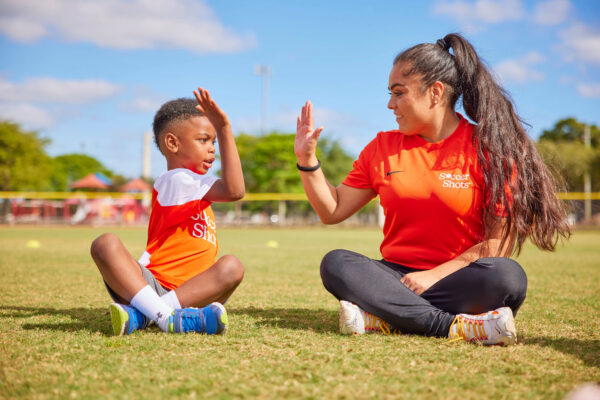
149,278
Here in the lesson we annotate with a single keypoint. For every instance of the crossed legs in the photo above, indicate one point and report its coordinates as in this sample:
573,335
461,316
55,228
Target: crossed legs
375,286
122,274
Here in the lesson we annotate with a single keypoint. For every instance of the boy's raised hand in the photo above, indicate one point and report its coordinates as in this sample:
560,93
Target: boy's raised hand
210,109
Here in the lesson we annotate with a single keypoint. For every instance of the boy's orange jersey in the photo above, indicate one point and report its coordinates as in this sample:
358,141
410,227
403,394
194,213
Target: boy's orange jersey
182,240
431,194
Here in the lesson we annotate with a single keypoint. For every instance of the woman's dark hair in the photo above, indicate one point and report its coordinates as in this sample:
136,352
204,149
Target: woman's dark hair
505,152
174,110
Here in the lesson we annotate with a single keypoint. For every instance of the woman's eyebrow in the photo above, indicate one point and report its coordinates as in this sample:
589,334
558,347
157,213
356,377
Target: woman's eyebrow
396,84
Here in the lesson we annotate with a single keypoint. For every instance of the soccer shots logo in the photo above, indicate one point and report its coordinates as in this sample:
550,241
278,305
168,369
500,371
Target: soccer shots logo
455,181
205,228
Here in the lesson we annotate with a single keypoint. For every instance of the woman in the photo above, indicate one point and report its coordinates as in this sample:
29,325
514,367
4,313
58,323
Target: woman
457,198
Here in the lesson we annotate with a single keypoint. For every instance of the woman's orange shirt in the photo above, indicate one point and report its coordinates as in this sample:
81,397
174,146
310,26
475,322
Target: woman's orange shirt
431,194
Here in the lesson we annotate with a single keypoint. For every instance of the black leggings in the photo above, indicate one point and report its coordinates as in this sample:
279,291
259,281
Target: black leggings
374,285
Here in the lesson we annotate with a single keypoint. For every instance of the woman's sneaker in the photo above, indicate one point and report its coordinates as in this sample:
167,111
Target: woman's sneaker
211,320
126,319
492,327
355,321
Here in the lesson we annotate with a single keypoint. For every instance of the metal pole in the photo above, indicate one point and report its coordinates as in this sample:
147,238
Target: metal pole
146,160
281,211
264,71
146,167
587,178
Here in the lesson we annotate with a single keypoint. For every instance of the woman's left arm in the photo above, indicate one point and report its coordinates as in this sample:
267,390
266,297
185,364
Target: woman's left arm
420,281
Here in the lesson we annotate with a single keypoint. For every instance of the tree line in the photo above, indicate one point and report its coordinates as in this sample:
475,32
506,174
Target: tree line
268,161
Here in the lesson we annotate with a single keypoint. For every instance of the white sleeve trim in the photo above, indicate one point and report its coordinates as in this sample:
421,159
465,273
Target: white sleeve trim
179,186
144,260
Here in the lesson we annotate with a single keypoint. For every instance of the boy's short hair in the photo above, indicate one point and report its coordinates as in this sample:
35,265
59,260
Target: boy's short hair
174,110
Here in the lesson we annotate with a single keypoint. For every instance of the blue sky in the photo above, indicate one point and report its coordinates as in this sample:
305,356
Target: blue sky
90,74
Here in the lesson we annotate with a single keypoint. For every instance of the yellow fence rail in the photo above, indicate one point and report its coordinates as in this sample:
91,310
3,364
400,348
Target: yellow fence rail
579,196
139,196
247,197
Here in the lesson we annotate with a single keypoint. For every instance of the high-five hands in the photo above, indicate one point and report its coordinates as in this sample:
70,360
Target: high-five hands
305,144
210,109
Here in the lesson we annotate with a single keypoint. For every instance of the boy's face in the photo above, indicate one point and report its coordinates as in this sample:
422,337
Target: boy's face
195,144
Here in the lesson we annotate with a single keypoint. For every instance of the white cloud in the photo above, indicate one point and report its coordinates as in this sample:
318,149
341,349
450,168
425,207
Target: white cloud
27,115
591,90
472,15
21,29
34,102
144,100
580,43
51,90
120,24
141,105
520,69
551,12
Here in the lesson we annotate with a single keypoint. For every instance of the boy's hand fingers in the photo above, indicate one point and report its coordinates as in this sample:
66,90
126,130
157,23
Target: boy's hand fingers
205,100
202,96
198,99
205,95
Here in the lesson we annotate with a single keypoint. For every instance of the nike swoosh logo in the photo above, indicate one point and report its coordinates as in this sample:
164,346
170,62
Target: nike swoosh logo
393,172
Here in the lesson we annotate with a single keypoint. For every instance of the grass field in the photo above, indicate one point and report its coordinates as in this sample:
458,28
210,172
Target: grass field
56,342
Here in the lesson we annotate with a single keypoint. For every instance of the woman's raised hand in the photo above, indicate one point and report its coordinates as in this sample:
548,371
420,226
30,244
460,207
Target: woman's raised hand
305,145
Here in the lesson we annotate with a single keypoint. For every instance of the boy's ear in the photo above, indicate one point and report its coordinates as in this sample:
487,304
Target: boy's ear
171,142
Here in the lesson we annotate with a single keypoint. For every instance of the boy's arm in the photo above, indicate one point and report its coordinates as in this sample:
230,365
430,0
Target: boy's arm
231,185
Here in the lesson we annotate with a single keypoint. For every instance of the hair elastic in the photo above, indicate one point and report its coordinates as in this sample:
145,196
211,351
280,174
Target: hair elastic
443,43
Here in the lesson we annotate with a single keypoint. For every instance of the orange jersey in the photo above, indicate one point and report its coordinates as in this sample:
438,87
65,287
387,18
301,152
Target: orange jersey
431,194
182,240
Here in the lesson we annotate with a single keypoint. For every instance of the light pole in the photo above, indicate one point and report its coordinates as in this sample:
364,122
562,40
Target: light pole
264,71
587,179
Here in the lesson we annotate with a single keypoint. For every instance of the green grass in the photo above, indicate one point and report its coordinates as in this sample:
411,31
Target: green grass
55,332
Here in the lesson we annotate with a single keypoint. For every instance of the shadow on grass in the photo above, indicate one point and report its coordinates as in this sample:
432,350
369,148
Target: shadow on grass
322,321
95,320
587,351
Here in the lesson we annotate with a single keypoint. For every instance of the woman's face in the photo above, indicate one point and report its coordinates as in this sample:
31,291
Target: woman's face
412,106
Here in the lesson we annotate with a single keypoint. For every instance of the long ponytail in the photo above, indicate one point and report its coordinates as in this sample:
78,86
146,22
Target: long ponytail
517,183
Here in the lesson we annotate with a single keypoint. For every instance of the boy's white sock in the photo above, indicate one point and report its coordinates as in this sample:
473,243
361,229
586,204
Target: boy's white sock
170,299
150,304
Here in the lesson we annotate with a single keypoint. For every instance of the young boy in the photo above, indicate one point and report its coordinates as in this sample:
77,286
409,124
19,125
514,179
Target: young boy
178,268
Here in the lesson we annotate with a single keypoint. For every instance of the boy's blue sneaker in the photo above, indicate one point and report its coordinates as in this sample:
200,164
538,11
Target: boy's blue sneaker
211,320
126,319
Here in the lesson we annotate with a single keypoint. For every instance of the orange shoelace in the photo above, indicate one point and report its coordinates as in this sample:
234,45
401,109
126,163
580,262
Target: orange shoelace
465,327
373,323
